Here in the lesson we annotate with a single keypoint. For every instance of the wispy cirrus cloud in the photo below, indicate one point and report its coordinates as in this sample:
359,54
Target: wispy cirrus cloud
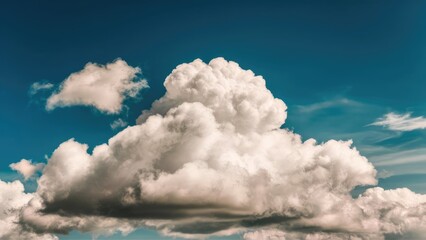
39,86
401,122
341,101
119,123
398,158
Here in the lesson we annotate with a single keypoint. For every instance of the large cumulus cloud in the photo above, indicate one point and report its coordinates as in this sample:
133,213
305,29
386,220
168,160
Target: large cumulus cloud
210,158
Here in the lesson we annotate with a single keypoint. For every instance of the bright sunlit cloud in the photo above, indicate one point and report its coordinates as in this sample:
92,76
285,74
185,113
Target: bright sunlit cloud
103,87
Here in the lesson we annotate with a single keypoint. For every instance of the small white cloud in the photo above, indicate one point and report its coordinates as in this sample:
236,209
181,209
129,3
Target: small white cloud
119,123
26,168
401,122
39,86
104,87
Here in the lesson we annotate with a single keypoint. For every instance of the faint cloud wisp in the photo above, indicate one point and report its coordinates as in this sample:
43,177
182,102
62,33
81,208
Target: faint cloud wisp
39,86
119,123
401,122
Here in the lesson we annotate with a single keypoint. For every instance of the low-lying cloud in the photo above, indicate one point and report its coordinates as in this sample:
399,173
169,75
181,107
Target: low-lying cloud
13,199
210,158
103,87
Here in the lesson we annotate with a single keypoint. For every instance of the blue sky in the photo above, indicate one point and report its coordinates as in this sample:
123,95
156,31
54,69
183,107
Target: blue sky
338,65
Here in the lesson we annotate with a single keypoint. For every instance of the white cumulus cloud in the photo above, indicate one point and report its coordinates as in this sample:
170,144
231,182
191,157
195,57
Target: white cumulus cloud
26,167
104,87
401,122
210,158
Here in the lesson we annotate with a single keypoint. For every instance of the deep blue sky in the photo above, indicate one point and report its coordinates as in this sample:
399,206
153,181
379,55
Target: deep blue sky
338,65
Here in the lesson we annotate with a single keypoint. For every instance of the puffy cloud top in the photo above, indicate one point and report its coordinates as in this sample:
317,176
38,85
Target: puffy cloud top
237,98
101,86
210,158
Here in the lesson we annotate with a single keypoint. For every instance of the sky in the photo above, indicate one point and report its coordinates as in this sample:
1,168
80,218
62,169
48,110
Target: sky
346,70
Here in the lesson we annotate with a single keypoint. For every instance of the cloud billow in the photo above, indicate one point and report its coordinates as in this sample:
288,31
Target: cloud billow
210,158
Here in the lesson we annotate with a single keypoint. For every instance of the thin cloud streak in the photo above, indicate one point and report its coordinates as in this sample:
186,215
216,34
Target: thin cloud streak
401,122
39,86
328,104
398,158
